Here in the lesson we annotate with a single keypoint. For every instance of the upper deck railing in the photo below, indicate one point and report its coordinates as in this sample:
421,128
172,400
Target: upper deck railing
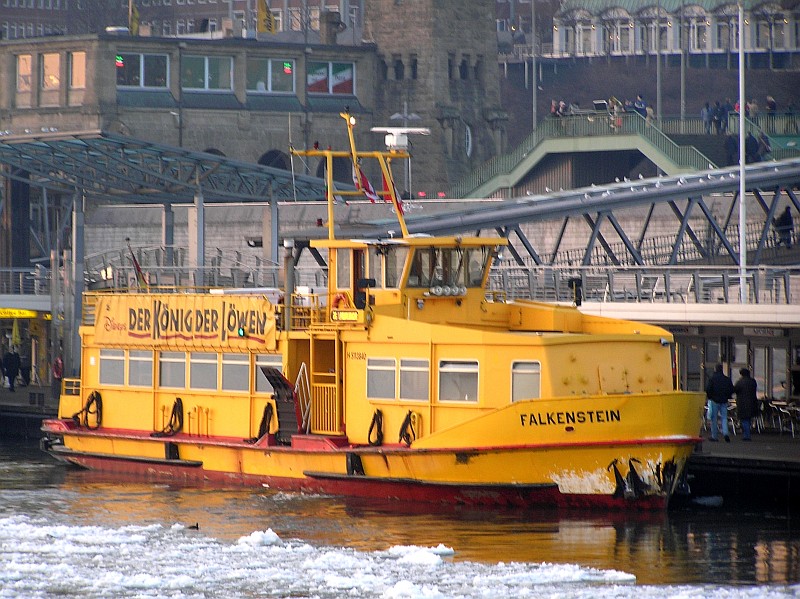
584,124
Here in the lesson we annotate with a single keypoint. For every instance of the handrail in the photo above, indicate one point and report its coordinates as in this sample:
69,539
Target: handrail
586,124
772,285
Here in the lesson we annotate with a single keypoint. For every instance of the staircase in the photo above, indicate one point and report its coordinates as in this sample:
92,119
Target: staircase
711,146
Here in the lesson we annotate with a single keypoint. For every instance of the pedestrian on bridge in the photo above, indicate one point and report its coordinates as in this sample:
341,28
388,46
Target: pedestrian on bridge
784,225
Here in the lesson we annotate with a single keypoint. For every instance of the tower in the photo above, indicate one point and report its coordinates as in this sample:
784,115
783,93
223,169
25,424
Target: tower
438,60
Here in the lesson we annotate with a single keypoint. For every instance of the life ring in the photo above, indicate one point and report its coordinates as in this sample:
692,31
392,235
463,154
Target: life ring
340,300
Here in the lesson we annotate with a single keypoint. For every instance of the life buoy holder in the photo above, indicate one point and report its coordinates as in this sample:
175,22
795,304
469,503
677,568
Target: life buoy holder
340,301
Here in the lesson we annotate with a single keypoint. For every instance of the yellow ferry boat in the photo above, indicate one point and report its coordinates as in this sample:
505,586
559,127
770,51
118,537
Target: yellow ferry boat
406,378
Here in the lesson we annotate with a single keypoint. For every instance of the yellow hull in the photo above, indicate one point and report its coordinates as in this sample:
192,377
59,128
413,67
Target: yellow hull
603,451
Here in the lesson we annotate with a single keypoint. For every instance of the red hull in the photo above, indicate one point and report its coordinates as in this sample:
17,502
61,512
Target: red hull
402,490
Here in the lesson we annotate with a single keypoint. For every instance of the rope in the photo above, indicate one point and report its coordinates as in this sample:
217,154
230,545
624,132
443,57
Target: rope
175,423
407,433
376,425
93,407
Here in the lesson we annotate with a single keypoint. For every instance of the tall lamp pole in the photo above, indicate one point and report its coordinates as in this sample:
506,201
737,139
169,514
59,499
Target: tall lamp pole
658,62
534,79
742,203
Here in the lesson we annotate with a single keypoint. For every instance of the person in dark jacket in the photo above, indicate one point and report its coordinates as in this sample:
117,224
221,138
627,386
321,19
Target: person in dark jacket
719,390
11,364
746,401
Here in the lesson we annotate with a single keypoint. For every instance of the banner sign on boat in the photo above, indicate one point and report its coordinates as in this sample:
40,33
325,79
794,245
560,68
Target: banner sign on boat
176,320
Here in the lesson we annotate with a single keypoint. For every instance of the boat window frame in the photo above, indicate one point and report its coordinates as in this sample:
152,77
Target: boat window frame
171,357
271,360
136,359
234,362
198,368
450,368
538,374
108,357
375,370
409,369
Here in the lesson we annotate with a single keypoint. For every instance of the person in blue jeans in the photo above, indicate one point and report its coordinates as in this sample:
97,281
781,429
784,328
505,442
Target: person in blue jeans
719,390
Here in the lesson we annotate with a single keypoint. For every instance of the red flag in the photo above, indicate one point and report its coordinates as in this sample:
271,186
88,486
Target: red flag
388,198
141,280
361,182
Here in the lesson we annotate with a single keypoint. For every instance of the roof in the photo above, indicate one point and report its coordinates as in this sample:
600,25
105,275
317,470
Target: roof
635,7
115,167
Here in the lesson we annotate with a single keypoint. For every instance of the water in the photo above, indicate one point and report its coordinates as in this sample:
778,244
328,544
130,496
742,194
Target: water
71,533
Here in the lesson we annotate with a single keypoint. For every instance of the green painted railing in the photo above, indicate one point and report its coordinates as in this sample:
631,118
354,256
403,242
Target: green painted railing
581,125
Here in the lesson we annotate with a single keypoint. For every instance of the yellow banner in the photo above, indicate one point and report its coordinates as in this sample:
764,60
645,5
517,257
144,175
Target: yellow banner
185,321
18,313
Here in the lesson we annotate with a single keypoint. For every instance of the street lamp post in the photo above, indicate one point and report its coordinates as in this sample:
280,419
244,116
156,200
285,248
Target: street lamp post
742,188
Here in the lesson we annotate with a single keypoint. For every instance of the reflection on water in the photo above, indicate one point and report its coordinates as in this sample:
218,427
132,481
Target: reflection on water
685,547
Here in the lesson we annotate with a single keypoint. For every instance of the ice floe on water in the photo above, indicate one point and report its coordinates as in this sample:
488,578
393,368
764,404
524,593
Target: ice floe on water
40,559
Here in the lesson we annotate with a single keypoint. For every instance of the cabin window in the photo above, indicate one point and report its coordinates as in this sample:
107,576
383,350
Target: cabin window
374,262
395,259
270,360
381,378
450,267
525,380
235,372
140,368
172,369
203,370
342,268
458,380
112,367
414,376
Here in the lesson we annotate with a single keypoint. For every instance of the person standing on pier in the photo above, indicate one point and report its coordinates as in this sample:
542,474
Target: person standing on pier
719,390
11,364
746,401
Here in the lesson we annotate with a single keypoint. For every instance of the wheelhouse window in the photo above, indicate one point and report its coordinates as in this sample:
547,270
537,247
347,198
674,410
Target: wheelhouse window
525,380
140,368
207,73
394,260
381,378
414,377
172,370
203,370
265,75
235,372
458,380
112,367
448,267
270,361
331,78
142,70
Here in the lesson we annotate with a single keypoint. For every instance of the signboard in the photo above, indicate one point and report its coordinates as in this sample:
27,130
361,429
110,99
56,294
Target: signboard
344,315
185,321
762,332
18,313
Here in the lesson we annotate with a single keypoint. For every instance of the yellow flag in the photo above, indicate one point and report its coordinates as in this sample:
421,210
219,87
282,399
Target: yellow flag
133,25
266,20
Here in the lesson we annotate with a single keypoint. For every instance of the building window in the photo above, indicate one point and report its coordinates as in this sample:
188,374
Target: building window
381,378
414,377
77,70
235,372
266,361
458,380
112,367
142,70
331,78
270,75
172,370
525,380
203,370
207,72
24,73
50,71
140,368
